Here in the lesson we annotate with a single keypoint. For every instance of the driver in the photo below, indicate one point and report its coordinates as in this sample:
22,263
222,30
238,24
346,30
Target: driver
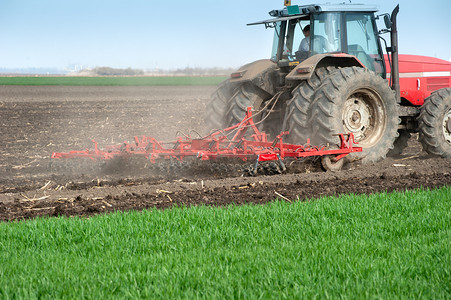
321,44
305,43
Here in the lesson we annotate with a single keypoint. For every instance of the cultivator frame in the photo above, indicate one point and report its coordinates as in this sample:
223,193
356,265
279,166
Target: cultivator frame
233,142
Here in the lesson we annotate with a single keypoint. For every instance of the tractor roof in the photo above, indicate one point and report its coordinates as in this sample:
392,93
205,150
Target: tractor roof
298,11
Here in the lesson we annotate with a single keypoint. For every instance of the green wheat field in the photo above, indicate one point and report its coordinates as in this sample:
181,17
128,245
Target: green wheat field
379,246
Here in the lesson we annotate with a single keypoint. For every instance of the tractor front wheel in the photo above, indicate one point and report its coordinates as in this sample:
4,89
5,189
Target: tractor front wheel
435,123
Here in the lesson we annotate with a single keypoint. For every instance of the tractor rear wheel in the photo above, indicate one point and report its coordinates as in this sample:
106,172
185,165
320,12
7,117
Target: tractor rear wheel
215,116
435,123
299,108
356,100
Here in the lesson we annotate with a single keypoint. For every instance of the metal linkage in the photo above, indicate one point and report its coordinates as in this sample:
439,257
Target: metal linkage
245,144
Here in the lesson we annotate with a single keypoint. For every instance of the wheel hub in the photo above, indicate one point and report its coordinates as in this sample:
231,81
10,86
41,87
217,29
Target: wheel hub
447,126
356,117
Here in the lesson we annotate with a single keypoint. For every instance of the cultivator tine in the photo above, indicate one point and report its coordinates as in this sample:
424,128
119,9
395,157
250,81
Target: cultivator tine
283,168
254,170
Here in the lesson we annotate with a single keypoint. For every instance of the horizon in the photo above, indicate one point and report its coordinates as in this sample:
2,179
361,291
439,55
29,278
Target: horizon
133,72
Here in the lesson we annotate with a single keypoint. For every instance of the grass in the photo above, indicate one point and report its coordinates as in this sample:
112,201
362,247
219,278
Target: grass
388,246
112,81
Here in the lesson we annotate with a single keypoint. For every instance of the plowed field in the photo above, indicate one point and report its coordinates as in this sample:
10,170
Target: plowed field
36,121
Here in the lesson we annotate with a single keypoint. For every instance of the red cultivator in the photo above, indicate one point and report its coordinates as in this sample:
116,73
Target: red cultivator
232,142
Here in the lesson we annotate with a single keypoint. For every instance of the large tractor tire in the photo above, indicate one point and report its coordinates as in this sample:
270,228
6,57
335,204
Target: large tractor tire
435,123
244,96
215,116
299,107
356,100
400,143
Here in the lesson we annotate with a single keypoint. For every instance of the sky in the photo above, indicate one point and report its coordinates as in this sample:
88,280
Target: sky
149,34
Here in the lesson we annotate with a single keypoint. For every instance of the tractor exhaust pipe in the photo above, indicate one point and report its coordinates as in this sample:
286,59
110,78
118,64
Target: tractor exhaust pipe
394,54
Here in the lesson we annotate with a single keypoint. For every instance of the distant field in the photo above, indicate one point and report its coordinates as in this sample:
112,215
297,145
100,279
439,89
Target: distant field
111,81
380,246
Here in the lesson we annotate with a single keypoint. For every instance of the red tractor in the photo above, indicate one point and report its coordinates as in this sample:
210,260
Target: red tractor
334,86
342,83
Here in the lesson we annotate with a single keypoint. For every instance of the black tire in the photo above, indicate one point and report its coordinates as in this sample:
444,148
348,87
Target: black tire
400,143
299,107
215,116
435,123
244,96
356,100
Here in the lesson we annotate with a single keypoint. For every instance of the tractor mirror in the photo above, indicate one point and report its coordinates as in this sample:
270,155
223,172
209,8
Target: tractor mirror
387,21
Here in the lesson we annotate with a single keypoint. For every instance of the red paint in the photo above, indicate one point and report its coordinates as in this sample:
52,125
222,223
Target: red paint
410,89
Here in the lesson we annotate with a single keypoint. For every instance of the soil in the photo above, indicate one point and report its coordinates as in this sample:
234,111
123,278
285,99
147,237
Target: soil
36,121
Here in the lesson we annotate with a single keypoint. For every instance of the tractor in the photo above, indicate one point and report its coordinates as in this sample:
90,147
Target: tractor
344,83
315,97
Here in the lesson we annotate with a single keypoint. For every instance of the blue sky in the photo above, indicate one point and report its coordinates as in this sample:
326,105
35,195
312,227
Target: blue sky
176,34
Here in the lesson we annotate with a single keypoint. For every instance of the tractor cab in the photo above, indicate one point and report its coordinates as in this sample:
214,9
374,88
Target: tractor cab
340,28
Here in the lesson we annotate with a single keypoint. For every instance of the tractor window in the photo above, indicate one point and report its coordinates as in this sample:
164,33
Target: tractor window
325,36
295,35
275,42
292,38
298,35
363,42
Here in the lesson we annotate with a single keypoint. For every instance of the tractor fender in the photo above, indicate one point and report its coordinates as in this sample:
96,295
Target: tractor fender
305,69
261,73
